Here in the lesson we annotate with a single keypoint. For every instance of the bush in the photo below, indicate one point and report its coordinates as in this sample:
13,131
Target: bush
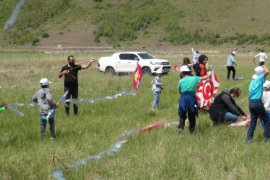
45,35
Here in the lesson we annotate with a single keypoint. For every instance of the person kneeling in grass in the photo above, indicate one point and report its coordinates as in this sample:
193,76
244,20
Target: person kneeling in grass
46,107
224,108
188,102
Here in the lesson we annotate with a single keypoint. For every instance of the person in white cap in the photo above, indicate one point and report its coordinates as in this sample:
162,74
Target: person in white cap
157,87
256,106
262,57
188,102
230,65
44,99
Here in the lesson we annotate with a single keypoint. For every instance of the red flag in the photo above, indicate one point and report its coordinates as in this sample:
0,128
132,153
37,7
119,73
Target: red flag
176,68
206,90
137,77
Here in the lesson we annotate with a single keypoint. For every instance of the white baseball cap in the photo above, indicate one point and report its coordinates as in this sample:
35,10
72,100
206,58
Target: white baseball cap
184,69
44,82
266,84
234,53
159,71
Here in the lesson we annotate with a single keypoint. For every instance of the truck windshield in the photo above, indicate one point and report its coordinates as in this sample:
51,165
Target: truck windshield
145,56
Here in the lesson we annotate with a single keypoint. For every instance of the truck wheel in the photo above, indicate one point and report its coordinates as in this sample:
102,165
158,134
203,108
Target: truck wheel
110,70
146,70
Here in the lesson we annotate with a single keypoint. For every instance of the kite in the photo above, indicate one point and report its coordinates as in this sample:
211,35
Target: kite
245,122
137,77
206,90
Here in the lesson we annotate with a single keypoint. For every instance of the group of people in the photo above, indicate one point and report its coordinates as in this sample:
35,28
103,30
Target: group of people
224,107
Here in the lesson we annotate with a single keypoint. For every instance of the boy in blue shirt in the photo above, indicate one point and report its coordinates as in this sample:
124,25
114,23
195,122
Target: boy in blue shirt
256,106
188,102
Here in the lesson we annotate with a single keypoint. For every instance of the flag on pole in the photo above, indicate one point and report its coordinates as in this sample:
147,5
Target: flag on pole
137,77
206,90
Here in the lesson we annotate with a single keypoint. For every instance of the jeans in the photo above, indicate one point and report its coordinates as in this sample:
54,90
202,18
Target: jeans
72,92
187,106
156,99
43,123
231,117
257,110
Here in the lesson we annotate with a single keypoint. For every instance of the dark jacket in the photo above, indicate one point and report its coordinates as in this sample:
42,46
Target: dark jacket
222,104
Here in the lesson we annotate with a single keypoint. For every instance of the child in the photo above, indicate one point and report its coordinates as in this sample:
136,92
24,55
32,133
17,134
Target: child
200,67
188,102
46,107
157,86
256,106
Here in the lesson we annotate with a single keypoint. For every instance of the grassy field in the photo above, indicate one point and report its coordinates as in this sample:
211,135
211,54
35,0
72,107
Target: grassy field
212,153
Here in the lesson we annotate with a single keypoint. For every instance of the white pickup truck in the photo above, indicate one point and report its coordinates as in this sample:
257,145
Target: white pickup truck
126,62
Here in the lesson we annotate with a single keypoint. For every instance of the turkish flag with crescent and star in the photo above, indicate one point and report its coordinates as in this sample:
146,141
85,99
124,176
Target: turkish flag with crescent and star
206,90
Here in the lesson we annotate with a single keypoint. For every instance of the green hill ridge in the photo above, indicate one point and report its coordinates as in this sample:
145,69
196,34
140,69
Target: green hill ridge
114,22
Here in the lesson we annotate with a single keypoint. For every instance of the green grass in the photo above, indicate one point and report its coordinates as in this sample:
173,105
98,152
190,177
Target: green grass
146,21
212,153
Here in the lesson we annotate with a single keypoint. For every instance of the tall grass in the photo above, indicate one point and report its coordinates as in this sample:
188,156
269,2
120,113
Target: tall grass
212,153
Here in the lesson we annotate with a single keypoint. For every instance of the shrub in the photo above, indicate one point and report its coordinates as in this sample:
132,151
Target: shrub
45,35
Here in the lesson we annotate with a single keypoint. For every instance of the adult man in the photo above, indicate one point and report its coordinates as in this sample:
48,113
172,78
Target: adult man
262,56
256,106
230,65
224,107
70,72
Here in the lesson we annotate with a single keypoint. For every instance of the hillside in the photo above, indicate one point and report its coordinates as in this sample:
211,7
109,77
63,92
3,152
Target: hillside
135,23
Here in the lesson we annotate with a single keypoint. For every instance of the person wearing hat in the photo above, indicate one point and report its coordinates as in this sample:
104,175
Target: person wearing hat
157,87
46,106
188,102
70,72
230,65
262,57
224,107
256,106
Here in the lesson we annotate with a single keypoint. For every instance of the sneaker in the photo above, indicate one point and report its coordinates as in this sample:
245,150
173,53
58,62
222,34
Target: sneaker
180,130
52,138
248,141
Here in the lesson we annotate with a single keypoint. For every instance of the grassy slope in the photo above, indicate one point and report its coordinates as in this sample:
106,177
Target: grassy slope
223,17
213,153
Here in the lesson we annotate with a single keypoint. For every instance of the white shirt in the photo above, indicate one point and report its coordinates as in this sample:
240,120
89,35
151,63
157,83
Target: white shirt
266,100
262,56
195,55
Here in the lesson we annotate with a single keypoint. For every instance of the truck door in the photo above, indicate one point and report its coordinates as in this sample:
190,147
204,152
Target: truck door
127,62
